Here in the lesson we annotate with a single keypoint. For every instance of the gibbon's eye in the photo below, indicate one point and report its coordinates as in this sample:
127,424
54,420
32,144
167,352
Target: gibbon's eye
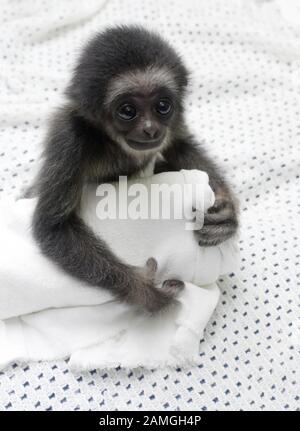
126,112
163,107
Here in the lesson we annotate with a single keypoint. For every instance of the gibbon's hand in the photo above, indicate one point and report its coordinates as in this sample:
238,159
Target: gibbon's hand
220,222
151,298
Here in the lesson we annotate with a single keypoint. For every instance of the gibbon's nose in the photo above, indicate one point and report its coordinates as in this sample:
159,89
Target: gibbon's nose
151,130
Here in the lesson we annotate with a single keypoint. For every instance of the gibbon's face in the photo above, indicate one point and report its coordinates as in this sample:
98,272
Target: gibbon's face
141,110
143,119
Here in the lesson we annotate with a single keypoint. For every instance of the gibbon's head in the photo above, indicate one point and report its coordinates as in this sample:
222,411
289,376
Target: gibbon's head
130,82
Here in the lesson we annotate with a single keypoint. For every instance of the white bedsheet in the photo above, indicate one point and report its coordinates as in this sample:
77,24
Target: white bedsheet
244,101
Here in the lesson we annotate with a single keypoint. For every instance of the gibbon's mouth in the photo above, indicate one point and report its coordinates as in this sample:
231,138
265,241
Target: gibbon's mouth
144,145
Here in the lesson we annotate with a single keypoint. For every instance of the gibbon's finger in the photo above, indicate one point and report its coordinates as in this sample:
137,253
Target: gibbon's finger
211,235
219,205
225,215
151,266
173,286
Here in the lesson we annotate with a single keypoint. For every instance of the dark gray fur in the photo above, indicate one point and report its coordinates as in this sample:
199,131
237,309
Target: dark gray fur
79,149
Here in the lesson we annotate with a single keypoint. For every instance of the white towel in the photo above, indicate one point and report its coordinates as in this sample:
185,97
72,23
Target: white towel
46,314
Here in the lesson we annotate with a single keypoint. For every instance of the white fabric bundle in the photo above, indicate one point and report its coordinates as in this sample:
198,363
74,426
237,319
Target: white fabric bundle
46,314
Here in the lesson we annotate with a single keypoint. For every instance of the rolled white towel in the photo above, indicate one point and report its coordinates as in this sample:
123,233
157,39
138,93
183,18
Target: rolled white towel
47,314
